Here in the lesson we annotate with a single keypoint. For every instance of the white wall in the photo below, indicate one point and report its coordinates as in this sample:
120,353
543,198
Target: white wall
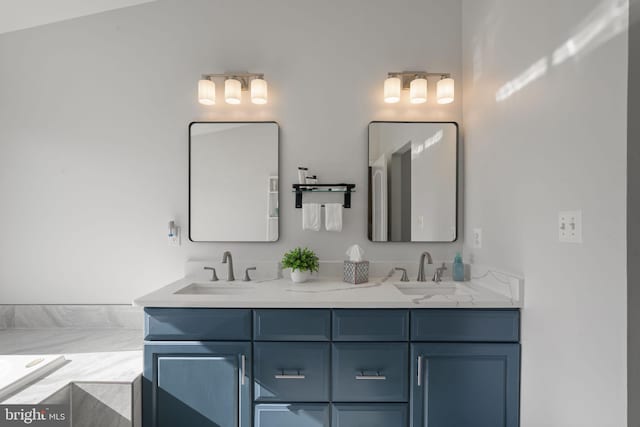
552,139
93,129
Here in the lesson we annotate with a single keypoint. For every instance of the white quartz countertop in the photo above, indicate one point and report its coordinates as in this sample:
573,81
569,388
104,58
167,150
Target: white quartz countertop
491,290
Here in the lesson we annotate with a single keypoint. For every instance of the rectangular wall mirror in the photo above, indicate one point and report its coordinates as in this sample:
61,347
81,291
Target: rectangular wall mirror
233,182
413,181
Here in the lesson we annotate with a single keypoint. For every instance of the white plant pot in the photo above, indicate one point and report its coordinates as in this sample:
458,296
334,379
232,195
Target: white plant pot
300,276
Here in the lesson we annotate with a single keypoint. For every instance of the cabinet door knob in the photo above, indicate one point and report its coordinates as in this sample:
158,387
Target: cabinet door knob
419,371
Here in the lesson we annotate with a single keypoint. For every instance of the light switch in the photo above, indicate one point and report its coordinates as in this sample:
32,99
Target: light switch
570,226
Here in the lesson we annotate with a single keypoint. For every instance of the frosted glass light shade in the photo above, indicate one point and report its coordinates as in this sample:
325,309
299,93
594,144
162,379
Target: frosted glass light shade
418,91
232,91
206,92
446,90
392,88
258,91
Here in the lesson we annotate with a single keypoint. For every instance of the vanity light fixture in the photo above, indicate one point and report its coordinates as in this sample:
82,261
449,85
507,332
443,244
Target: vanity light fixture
234,85
417,84
392,89
232,91
446,88
206,92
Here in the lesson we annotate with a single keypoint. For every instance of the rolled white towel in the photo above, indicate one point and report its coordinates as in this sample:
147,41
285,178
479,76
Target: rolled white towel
311,216
333,216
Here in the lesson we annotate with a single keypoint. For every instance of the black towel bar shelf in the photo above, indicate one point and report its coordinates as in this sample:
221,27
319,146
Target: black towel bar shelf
347,189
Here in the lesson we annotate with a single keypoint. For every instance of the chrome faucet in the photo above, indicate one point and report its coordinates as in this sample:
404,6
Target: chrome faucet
226,256
421,276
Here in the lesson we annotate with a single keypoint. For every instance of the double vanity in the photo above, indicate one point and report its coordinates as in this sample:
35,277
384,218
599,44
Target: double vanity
270,353
265,352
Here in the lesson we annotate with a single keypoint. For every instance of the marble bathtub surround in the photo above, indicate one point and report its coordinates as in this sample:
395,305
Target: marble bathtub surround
95,355
70,316
6,316
106,404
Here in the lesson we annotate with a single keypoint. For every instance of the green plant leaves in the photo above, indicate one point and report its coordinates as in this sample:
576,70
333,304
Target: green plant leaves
301,259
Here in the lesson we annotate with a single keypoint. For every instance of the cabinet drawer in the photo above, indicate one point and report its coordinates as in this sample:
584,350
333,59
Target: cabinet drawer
197,324
369,415
370,325
370,372
291,372
465,325
292,325
303,415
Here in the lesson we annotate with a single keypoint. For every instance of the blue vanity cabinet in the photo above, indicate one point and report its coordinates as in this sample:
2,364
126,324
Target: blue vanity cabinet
465,368
370,372
197,367
465,384
197,384
292,415
291,371
331,367
369,415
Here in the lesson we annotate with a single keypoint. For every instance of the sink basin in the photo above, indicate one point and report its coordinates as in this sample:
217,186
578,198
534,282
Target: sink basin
426,288
226,288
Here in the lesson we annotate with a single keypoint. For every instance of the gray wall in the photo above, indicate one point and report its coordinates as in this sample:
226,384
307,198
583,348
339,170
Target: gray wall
633,218
545,131
93,129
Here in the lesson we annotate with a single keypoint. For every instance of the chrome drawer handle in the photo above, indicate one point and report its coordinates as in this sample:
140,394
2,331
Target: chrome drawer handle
419,371
243,362
283,376
362,376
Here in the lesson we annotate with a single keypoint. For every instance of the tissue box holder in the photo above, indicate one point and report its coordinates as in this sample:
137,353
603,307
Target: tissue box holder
356,272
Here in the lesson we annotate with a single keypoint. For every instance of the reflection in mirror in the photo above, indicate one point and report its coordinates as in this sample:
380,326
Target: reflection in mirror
233,182
413,179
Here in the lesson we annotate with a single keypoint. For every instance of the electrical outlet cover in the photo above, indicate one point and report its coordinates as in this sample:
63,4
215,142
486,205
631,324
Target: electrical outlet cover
477,238
174,240
570,226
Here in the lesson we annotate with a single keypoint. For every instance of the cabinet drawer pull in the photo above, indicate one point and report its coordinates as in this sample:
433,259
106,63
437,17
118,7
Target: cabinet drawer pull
363,376
419,371
283,376
243,363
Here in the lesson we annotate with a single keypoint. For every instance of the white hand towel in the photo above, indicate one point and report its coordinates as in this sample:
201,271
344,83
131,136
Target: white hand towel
333,216
311,216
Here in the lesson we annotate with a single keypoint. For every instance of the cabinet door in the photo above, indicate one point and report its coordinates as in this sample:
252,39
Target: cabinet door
465,385
197,384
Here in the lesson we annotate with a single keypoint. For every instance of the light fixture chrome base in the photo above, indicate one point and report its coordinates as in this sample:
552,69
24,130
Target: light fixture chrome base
243,78
407,76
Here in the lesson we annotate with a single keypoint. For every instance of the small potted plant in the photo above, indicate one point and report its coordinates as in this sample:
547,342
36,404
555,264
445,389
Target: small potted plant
301,262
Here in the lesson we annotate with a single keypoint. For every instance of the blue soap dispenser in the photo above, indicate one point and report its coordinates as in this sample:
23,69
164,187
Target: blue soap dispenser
458,268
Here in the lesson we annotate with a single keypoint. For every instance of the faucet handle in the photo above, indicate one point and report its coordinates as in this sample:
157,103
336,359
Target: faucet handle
437,276
246,274
214,276
404,277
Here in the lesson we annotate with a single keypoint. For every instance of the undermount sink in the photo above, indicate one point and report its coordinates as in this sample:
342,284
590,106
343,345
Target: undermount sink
225,288
426,288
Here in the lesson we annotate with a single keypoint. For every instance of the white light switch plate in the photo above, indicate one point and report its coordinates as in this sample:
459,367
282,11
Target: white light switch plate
570,226
477,238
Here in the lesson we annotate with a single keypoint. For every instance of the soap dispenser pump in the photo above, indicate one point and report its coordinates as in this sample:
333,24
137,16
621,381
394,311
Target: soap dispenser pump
458,268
